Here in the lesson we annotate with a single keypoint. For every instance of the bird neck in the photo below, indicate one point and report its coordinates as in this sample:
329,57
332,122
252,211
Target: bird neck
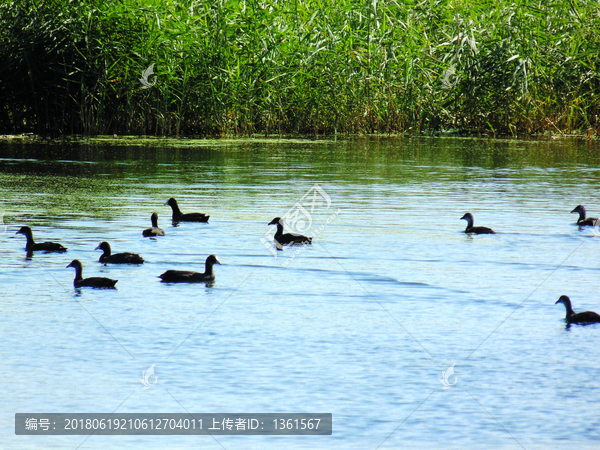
279,231
570,311
208,268
469,222
581,216
154,222
78,273
30,240
176,210
107,252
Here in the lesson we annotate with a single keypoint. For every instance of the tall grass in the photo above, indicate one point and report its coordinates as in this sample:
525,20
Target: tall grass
301,66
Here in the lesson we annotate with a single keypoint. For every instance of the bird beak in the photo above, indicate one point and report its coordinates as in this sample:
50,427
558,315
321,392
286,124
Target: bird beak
68,266
217,261
166,203
18,232
98,247
575,210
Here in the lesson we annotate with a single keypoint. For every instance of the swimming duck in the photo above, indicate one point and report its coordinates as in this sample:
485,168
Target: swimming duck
98,282
178,216
582,317
288,238
118,258
31,246
477,230
154,231
183,276
582,221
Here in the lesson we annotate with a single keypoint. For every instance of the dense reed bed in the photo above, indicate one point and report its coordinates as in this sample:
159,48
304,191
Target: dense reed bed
301,66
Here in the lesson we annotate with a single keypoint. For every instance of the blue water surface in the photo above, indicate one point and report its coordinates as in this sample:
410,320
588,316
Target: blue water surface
360,324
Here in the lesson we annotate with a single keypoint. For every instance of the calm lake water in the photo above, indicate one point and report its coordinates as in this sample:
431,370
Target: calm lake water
360,324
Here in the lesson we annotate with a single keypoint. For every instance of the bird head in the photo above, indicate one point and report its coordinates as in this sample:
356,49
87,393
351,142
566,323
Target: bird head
212,259
104,246
276,221
75,263
24,230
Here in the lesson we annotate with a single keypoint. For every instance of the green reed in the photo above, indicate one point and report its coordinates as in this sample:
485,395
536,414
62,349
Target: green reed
299,67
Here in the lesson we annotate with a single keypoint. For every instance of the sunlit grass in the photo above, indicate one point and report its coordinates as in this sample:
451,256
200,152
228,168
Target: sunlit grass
300,67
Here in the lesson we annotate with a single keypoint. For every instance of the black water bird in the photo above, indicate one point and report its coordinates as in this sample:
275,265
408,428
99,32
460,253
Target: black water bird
184,276
476,230
117,258
97,282
582,317
178,216
583,221
154,231
31,246
287,238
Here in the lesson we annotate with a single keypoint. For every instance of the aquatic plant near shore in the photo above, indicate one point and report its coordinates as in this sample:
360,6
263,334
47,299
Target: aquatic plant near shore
236,67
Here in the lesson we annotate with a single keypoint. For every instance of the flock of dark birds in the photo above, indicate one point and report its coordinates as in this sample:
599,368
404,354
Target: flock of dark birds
572,317
107,257
280,239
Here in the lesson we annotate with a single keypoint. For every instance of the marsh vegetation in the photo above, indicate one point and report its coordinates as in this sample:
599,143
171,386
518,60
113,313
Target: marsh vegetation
299,67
